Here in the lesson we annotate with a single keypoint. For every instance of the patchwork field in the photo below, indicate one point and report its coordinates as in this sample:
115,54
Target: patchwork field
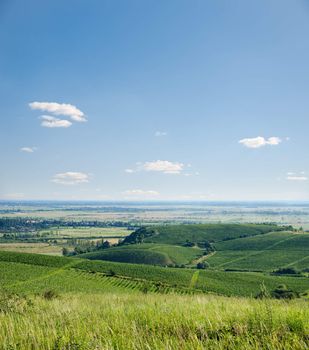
39,248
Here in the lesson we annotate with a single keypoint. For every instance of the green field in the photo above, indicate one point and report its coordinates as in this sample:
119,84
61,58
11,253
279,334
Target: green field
86,232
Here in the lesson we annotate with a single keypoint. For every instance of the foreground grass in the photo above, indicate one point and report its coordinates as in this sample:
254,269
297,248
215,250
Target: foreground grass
138,321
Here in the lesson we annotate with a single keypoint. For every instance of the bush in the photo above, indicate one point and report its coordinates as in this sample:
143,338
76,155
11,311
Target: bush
110,273
202,265
282,292
14,303
50,294
286,271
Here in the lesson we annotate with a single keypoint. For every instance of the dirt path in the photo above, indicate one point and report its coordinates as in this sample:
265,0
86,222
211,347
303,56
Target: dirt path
202,258
194,279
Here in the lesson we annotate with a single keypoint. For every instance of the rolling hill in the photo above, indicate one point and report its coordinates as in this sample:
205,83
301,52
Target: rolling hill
147,253
197,234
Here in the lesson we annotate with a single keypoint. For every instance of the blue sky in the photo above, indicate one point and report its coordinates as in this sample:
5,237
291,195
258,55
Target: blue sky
181,100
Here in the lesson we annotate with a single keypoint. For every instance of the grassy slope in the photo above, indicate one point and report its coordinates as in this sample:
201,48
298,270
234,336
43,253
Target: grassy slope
161,322
67,274
179,234
266,252
134,256
153,254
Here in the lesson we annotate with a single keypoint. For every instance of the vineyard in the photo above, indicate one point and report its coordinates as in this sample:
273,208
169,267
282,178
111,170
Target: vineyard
263,253
33,273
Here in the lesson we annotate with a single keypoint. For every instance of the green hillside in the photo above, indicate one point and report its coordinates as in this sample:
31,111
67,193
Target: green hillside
197,233
55,303
147,253
34,275
263,253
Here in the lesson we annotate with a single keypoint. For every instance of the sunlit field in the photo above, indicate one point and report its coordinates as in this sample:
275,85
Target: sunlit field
139,321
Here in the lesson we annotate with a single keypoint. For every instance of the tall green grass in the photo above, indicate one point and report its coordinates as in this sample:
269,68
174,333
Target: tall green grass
161,322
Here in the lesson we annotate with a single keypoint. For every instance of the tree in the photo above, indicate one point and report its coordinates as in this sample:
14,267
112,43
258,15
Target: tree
65,251
286,271
202,265
106,245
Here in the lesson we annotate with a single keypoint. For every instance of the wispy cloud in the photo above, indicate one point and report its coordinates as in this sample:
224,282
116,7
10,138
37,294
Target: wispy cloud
292,176
52,122
257,142
137,193
28,149
160,133
297,178
71,178
162,166
64,109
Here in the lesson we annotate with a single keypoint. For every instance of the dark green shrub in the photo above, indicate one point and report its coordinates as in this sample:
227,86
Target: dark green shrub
202,265
282,292
286,271
50,294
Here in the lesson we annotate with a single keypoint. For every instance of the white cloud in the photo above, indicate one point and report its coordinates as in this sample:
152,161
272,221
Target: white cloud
160,133
273,141
141,193
257,142
52,122
160,166
297,178
70,178
55,108
28,149
163,166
